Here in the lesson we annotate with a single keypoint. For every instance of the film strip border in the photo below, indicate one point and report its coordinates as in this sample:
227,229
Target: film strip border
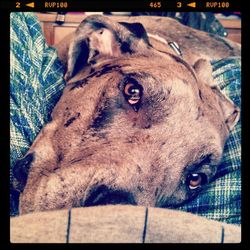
124,5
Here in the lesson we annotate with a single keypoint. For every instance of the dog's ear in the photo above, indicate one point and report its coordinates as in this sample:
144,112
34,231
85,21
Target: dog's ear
98,36
137,29
231,112
91,39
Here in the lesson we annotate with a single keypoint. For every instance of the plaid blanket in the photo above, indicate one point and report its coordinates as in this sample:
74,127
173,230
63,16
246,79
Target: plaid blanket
222,200
36,83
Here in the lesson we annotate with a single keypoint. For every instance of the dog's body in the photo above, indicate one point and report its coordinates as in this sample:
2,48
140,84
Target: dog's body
194,44
136,124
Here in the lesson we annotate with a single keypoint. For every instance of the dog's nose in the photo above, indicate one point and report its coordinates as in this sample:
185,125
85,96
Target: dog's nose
103,195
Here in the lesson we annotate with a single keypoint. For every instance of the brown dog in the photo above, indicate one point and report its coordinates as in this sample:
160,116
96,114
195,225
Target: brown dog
135,125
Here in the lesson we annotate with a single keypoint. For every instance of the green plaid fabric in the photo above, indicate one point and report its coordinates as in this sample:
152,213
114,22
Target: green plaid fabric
36,83
222,200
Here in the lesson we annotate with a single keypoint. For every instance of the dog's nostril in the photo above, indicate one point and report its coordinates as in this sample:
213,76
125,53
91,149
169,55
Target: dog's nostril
104,195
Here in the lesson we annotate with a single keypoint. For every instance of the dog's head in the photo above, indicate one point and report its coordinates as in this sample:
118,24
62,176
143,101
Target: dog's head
134,125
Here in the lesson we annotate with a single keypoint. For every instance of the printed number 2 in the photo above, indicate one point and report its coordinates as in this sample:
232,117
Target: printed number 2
18,5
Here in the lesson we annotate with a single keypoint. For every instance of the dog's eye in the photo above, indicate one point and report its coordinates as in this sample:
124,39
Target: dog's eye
196,180
133,94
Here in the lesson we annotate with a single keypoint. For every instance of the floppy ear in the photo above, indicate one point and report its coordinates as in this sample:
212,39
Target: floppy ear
137,29
98,36
231,112
92,39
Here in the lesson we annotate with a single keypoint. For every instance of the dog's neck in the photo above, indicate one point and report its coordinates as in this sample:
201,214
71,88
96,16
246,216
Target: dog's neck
172,44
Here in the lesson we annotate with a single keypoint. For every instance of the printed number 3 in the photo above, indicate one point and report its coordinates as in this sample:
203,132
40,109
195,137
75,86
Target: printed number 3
179,4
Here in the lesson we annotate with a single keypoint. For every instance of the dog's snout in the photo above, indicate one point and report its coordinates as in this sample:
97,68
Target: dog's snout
103,195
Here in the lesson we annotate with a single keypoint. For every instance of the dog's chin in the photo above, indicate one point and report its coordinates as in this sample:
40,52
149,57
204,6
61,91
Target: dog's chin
174,203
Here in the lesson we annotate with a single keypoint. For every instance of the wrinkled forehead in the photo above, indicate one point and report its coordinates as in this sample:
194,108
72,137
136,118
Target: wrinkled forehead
158,65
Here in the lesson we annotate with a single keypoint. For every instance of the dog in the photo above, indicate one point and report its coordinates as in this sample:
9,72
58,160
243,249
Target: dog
139,122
